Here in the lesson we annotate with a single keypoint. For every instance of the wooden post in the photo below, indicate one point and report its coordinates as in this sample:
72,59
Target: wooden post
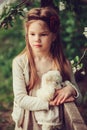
73,118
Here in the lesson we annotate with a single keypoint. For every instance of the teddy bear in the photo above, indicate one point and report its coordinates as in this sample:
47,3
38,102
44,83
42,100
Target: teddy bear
50,82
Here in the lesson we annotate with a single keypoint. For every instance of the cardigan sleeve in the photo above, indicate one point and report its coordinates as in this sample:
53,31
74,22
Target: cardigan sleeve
19,89
75,86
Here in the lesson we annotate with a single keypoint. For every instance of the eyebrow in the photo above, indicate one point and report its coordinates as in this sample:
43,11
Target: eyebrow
47,31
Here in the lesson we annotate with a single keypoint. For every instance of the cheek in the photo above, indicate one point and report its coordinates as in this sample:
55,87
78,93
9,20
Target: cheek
30,39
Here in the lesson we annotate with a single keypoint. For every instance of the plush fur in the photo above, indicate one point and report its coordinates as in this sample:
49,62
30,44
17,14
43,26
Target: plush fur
50,82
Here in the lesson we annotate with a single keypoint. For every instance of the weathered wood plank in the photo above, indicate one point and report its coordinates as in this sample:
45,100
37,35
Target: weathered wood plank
73,118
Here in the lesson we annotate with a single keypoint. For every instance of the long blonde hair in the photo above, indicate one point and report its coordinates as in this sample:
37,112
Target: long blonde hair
51,18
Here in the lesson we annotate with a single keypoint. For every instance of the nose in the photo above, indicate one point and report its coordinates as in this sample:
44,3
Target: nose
37,38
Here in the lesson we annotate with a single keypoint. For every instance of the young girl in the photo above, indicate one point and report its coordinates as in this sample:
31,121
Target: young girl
43,53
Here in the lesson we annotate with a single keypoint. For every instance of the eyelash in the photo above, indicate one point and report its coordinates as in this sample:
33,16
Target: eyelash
32,34
44,34
40,34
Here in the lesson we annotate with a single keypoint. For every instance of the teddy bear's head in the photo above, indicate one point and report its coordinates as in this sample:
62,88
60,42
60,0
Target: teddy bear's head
52,77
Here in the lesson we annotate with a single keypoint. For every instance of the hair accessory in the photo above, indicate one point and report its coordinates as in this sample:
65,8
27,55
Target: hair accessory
53,21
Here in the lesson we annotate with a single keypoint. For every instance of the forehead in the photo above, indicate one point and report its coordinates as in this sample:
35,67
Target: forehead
38,24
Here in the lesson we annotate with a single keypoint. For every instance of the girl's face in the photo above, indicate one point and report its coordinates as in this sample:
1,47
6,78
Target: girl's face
39,36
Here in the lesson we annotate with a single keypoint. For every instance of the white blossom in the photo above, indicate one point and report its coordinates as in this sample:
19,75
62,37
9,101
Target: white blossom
74,69
83,72
25,10
78,67
61,6
72,62
85,31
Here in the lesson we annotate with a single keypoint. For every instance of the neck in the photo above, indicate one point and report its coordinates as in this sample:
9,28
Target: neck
41,56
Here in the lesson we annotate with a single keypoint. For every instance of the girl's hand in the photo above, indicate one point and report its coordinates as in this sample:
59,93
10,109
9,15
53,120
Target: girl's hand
63,95
70,99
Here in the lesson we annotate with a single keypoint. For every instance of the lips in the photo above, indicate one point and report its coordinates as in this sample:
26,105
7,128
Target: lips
38,45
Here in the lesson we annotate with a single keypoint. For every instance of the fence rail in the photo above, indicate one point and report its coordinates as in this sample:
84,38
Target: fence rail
73,118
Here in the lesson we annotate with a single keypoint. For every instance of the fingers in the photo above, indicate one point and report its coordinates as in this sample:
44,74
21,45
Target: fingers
61,99
52,103
57,92
61,96
65,99
70,99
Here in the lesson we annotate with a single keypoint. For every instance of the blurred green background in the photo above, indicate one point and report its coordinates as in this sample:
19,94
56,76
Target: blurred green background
73,16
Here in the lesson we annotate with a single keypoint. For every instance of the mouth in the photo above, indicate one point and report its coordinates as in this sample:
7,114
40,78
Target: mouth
38,45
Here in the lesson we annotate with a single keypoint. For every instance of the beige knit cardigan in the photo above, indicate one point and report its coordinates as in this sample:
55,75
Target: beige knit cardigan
24,104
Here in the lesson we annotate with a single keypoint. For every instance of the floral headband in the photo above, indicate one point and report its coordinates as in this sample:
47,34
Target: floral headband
53,22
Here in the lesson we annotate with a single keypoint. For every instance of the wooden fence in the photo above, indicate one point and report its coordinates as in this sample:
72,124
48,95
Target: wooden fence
72,117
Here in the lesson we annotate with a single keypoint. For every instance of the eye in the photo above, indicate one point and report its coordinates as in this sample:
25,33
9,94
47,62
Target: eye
44,34
32,34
